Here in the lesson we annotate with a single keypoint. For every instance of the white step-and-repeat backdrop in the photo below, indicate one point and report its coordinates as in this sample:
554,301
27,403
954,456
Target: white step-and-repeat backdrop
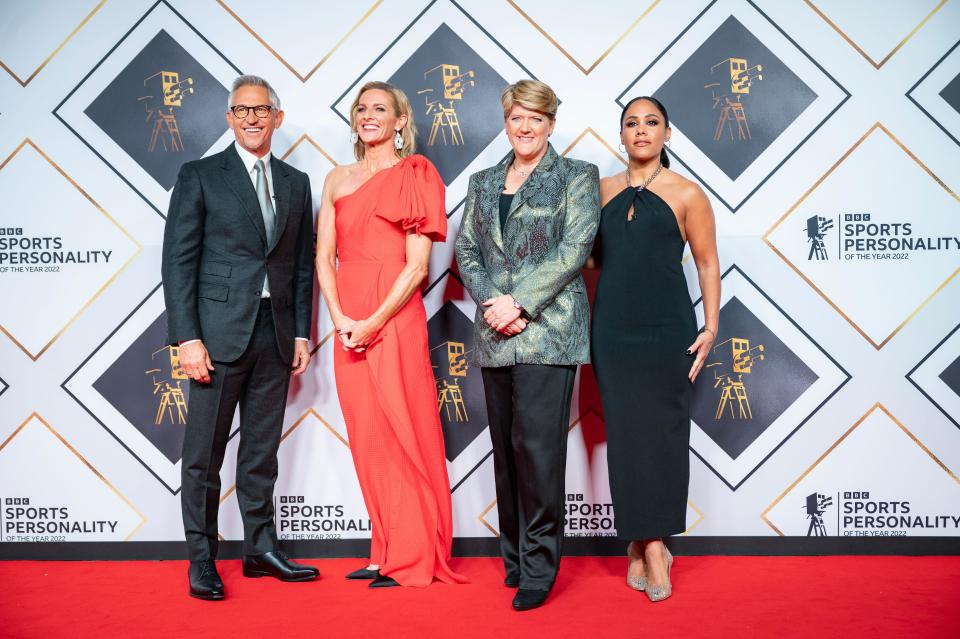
824,131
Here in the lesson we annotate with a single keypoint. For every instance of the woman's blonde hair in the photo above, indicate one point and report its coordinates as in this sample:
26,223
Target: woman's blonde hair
530,94
401,106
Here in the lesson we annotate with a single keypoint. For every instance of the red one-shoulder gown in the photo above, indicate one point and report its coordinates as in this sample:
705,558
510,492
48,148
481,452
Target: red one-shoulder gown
388,393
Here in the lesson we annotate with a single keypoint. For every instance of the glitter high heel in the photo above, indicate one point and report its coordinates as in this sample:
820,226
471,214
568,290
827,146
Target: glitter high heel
659,593
638,582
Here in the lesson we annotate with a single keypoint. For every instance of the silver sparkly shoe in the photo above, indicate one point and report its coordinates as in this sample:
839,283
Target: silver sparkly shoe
638,582
659,593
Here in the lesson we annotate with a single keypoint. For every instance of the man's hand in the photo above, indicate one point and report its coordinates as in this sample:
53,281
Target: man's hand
195,361
500,312
301,356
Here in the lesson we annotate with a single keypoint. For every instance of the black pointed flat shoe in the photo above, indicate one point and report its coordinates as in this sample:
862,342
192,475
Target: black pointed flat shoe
364,573
383,582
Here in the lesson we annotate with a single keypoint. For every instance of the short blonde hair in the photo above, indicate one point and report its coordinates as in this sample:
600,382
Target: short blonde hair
401,106
530,94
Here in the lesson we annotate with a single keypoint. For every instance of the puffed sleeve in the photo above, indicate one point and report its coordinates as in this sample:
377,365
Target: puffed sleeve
420,204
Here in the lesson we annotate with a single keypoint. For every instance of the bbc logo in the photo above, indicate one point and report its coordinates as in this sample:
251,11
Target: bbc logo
17,501
856,495
856,217
291,499
10,231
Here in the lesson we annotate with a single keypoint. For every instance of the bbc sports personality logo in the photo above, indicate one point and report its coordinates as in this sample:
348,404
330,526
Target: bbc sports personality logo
874,237
865,513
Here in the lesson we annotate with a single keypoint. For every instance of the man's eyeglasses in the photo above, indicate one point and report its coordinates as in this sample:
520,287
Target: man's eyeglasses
261,111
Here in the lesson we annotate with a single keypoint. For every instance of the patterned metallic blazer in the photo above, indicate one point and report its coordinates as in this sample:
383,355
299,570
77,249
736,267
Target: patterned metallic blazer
537,258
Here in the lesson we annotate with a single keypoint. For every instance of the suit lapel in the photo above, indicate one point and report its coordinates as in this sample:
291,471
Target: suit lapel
239,182
490,200
532,183
281,191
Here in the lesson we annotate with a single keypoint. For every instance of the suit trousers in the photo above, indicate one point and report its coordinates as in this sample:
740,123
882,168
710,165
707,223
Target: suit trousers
257,381
528,407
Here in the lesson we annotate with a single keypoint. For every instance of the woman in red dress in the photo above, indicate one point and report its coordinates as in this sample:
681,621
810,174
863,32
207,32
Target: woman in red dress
378,220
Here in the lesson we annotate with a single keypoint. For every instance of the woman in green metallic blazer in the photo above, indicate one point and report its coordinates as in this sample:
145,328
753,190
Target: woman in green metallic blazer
527,228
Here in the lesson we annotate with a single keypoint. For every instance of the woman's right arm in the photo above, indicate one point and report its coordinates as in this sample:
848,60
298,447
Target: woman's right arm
476,279
327,253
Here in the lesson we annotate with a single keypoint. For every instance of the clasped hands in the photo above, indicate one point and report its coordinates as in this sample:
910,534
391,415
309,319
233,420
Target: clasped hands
357,335
502,316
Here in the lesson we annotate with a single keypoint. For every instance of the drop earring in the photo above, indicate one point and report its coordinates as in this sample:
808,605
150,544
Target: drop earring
354,136
622,148
398,141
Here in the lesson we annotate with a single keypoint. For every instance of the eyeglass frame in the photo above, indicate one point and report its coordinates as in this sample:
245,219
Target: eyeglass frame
268,107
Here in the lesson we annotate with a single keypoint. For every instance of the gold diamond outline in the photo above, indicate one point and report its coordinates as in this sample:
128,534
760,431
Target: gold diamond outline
24,83
916,311
306,138
293,426
90,467
698,521
496,533
590,131
616,43
880,406
302,78
850,41
106,284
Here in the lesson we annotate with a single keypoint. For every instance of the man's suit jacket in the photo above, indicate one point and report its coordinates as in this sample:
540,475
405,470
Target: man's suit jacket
536,258
215,256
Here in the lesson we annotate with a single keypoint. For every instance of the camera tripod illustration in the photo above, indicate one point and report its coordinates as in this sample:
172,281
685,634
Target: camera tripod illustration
171,89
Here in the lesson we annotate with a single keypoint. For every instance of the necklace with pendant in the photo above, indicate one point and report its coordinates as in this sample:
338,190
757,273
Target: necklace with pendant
522,174
646,182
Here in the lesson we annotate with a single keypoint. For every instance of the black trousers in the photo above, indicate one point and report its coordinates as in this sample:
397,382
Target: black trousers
258,383
528,406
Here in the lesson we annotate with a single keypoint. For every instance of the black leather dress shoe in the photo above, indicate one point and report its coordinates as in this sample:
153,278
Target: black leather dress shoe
511,581
364,573
205,582
277,564
383,582
527,599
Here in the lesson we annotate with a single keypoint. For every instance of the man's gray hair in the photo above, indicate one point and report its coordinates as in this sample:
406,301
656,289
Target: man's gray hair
253,81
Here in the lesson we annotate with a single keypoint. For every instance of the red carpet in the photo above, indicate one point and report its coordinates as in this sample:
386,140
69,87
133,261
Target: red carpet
809,597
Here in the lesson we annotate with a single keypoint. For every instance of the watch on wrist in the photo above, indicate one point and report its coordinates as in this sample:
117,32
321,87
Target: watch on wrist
523,312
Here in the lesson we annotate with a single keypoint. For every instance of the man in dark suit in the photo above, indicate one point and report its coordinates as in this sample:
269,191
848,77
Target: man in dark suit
238,286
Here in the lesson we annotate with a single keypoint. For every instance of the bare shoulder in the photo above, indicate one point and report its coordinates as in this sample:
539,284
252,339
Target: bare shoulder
337,179
610,186
687,191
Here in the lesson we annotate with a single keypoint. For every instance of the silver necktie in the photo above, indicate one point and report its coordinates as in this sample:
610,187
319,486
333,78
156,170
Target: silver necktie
266,204
266,209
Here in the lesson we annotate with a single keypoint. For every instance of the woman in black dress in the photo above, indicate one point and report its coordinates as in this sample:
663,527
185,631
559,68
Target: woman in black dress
646,347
